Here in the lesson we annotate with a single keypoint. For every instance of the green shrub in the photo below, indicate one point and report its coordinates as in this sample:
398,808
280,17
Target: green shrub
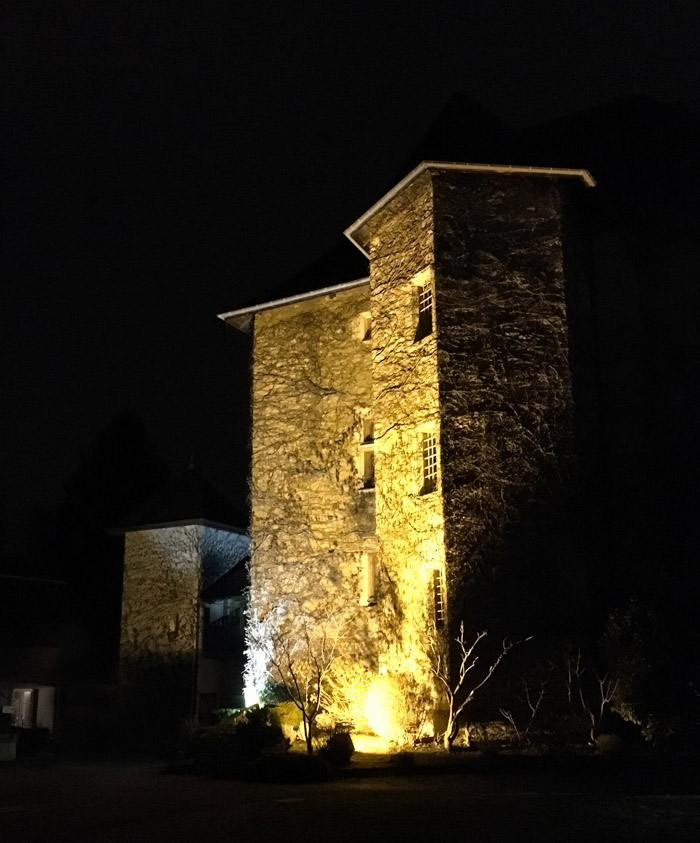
219,714
239,740
274,692
338,749
287,713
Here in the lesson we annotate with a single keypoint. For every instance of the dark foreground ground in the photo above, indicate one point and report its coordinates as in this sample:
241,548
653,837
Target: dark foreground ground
60,800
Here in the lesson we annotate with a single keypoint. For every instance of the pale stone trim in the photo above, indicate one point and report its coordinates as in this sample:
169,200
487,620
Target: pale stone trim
364,330
423,278
355,232
166,525
241,318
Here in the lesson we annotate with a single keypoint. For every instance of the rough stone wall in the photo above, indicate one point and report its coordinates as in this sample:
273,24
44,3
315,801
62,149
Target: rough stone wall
165,570
491,382
505,391
160,602
160,621
310,519
406,404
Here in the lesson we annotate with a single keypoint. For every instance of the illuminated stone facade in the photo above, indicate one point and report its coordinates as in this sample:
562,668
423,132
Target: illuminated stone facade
165,570
164,671
312,505
160,604
406,407
457,350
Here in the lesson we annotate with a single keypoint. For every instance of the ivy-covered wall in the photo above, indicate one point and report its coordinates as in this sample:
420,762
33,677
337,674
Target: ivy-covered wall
505,394
160,602
160,628
490,380
165,570
406,405
311,517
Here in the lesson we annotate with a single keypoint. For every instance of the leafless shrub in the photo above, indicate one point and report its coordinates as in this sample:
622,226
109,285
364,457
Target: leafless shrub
460,686
531,696
298,650
587,691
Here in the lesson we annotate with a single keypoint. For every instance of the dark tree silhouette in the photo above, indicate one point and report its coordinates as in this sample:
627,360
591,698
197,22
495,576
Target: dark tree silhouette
118,472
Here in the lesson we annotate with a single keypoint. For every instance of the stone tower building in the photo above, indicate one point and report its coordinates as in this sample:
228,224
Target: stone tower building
414,431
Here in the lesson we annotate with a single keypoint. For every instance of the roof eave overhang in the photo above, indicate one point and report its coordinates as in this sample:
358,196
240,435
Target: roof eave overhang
167,525
359,232
243,317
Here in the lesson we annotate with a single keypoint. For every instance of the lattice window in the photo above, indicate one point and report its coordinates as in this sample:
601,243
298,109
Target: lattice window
430,466
439,597
425,312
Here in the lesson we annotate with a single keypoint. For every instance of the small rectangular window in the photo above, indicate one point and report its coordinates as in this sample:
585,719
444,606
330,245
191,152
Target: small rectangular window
368,469
425,312
367,453
368,585
366,326
438,597
430,468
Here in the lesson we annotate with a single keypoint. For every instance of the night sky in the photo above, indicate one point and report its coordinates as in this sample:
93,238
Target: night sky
164,162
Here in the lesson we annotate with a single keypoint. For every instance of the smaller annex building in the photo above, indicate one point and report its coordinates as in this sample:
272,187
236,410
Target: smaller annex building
183,606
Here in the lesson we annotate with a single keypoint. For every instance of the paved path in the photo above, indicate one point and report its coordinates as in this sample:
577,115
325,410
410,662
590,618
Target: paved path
74,801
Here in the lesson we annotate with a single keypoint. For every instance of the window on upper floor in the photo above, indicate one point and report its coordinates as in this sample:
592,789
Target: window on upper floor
424,306
368,578
368,469
367,453
429,459
438,597
366,326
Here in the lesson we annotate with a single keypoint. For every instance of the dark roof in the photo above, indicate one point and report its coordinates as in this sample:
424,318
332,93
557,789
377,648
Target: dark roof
466,132
462,128
188,499
343,262
231,584
635,147
621,143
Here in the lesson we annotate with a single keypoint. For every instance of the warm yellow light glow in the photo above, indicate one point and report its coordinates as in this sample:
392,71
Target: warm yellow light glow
385,709
371,744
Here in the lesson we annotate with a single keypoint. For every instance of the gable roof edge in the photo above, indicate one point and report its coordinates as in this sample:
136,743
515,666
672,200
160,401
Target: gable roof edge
242,317
355,232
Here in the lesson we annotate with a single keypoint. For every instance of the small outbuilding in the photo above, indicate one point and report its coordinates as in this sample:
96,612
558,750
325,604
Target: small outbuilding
183,606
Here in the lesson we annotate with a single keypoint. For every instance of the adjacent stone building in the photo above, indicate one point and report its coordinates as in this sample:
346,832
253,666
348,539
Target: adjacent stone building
183,606
414,432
